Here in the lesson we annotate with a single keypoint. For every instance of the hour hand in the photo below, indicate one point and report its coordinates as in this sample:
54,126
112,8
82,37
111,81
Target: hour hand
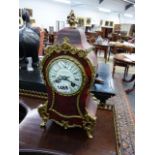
58,80
64,77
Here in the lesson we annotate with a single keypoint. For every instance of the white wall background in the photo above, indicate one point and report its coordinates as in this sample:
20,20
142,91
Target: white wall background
47,12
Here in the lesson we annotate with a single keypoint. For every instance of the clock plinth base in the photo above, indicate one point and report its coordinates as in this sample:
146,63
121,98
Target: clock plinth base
87,121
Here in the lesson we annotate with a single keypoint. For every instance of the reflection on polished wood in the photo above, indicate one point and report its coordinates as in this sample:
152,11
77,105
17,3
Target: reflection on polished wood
71,141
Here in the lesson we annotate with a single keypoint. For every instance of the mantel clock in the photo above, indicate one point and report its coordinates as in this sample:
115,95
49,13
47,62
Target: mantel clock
68,75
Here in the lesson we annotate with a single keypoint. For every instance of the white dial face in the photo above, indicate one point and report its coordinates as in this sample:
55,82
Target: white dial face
65,76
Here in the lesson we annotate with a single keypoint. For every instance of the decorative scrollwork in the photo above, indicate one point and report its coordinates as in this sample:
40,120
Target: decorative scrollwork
88,124
43,113
67,47
32,93
65,124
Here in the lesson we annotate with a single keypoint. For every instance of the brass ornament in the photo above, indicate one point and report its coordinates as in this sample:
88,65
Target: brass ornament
65,124
66,47
88,124
32,93
43,113
71,19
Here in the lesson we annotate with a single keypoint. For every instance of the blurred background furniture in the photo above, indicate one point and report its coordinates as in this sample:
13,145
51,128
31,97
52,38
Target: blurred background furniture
130,80
102,48
123,60
106,31
91,37
121,47
41,46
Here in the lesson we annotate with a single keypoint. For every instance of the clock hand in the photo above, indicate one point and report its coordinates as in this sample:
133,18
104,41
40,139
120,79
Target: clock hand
73,84
58,80
64,77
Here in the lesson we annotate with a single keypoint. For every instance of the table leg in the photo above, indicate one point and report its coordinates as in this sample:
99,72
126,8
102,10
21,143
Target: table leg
130,89
109,53
125,73
96,51
130,80
105,56
113,72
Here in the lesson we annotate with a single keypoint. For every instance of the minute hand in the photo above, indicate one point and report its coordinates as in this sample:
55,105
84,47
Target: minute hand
72,83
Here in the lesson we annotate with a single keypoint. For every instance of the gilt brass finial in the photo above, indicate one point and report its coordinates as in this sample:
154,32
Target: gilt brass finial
71,19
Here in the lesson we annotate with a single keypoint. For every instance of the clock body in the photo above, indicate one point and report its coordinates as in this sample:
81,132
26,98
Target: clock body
68,74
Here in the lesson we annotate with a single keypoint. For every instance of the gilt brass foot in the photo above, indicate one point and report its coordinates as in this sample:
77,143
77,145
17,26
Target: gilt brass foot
43,114
43,124
89,134
88,125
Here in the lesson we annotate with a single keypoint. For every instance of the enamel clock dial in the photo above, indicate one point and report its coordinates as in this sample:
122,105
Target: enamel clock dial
65,76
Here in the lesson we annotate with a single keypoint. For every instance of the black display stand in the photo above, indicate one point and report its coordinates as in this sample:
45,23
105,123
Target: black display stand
33,81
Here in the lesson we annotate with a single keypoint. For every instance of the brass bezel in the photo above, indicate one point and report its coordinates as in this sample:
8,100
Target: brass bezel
75,61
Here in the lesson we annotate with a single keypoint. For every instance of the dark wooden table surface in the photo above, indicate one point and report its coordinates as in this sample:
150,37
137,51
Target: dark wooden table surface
126,58
71,141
